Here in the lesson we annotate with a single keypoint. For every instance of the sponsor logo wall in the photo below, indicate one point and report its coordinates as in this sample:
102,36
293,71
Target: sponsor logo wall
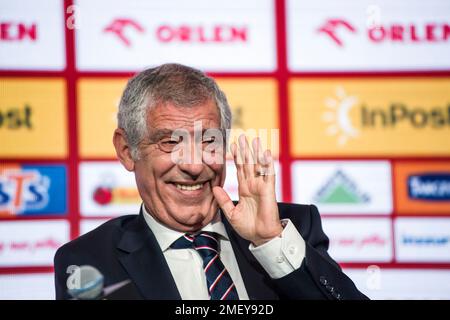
354,100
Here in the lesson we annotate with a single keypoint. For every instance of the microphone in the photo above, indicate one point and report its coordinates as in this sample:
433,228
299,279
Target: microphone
86,283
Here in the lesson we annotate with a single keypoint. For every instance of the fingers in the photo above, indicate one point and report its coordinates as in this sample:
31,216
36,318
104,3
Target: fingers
269,167
257,151
224,201
237,162
252,161
264,162
247,156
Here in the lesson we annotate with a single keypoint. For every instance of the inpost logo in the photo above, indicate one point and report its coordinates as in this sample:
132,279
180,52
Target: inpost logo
370,116
33,118
338,118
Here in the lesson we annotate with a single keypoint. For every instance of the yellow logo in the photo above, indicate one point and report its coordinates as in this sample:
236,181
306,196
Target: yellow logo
98,101
337,116
254,105
379,117
33,121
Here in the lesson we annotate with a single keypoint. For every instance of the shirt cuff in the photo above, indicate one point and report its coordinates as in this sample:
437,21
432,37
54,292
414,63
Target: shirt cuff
281,255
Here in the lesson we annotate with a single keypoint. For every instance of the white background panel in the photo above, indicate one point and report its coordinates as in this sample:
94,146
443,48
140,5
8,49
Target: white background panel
371,179
100,50
37,286
31,243
359,239
402,284
311,50
111,175
422,239
45,50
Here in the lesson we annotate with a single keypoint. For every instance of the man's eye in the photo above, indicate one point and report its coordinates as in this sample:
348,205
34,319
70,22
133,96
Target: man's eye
171,142
209,140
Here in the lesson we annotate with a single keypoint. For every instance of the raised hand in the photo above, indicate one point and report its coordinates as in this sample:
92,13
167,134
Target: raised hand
255,217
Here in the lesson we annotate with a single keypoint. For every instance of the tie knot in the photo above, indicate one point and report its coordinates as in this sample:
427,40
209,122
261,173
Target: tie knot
206,243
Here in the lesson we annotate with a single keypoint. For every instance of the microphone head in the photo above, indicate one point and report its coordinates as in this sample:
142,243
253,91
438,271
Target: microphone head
85,283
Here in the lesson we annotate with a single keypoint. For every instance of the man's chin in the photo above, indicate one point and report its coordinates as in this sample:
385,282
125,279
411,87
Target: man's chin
192,220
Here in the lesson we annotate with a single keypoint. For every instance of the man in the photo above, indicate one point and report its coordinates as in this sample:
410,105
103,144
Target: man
190,241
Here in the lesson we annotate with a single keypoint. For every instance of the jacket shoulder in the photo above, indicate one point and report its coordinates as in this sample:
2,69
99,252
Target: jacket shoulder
95,241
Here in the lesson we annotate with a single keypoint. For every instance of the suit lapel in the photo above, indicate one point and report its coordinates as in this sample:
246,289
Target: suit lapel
256,280
142,258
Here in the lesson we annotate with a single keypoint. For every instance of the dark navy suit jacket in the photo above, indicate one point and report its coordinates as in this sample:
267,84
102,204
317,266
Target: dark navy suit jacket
125,248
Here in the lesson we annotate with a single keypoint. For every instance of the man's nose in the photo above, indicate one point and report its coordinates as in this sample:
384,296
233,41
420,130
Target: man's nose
192,162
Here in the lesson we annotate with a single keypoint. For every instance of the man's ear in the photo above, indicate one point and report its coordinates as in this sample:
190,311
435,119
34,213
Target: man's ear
123,150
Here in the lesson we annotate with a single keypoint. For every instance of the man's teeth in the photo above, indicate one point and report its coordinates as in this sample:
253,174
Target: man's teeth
190,187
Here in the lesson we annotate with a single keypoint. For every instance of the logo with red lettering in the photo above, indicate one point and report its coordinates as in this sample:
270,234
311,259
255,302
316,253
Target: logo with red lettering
331,27
120,25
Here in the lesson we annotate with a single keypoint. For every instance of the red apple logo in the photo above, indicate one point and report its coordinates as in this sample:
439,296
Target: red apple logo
102,195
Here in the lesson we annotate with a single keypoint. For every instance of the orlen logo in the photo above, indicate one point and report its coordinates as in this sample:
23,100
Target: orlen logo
331,27
398,33
23,190
369,117
430,186
118,26
202,34
179,33
18,31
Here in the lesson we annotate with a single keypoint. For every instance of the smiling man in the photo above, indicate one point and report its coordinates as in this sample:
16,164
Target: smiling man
190,240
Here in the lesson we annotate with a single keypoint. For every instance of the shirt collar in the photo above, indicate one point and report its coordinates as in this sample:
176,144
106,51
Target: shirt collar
166,236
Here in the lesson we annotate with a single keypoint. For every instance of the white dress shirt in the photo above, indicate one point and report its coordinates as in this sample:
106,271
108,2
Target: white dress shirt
279,257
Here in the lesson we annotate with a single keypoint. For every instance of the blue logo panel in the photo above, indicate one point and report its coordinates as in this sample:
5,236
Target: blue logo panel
431,187
33,190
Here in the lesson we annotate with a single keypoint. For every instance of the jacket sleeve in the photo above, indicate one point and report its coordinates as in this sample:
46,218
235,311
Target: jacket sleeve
319,276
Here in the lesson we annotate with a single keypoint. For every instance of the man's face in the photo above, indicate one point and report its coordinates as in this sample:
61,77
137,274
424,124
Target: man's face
177,190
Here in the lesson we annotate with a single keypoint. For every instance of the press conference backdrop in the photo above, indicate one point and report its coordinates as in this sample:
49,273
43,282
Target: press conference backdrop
359,90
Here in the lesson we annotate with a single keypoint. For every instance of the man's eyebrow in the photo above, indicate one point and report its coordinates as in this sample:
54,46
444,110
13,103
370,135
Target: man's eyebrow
160,133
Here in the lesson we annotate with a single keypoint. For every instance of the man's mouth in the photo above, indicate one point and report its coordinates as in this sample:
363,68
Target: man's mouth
189,187
192,189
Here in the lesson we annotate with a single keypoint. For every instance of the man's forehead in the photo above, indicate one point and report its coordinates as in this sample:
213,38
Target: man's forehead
170,118
169,131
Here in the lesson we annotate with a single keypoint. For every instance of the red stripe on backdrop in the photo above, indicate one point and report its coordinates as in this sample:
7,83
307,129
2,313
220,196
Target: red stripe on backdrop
416,265
31,74
71,78
394,209
282,74
373,74
25,270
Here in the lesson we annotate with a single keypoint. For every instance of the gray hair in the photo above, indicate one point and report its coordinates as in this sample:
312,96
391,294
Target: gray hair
175,83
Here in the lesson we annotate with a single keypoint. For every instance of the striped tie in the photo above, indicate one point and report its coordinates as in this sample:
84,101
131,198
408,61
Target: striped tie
220,285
